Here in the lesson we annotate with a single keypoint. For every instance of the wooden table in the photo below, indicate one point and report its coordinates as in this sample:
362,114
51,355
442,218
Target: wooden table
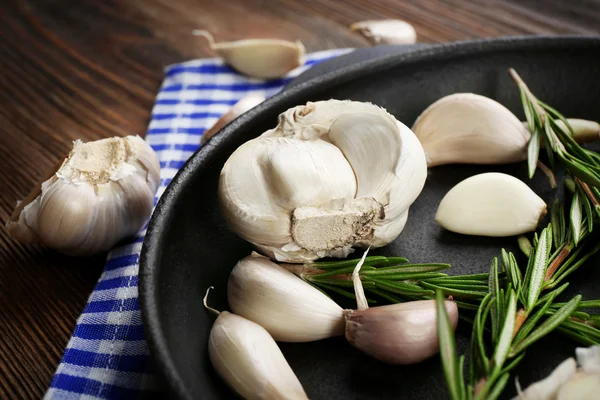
90,69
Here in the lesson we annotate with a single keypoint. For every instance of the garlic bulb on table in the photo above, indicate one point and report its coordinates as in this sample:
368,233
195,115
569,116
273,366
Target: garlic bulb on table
332,175
102,193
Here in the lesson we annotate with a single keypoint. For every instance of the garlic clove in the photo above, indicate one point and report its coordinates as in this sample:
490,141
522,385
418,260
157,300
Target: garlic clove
266,178
259,58
589,359
491,204
404,333
290,309
239,108
102,193
381,172
472,129
584,131
358,195
248,359
547,388
388,31
581,386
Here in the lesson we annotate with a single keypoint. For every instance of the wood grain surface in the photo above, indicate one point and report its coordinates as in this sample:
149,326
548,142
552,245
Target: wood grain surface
90,69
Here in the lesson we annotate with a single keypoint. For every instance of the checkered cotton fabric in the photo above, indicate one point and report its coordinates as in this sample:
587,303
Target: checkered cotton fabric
107,356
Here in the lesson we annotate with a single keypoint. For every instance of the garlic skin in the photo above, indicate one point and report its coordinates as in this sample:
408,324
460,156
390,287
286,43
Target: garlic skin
290,309
470,129
259,58
388,31
102,193
244,104
332,175
491,204
248,359
399,334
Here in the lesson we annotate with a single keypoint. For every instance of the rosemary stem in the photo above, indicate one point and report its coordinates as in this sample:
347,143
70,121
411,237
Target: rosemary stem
564,253
588,192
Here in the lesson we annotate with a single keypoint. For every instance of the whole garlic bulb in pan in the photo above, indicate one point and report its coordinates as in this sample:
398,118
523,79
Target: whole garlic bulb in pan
103,192
332,175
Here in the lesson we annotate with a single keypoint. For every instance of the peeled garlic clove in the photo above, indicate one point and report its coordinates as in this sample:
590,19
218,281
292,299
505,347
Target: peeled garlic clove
102,193
404,333
331,175
389,31
239,108
471,129
491,204
290,309
547,388
259,58
248,359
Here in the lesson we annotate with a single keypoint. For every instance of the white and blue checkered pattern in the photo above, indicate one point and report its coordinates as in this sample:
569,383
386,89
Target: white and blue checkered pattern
107,357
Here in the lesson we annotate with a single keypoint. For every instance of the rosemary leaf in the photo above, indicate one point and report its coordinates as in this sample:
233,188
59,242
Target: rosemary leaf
539,268
533,152
547,326
342,292
406,268
533,320
499,386
460,293
576,217
559,278
369,261
389,297
576,336
337,282
506,334
401,288
448,350
494,288
557,217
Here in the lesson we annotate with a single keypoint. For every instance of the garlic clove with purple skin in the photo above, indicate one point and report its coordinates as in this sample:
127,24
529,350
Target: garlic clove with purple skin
403,333
399,334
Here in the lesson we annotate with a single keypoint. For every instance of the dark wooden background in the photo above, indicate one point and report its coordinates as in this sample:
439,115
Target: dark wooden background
90,69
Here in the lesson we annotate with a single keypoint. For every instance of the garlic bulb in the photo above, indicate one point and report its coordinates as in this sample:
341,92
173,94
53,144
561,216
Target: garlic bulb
388,31
290,309
246,103
332,175
491,204
259,58
102,193
472,129
248,359
467,128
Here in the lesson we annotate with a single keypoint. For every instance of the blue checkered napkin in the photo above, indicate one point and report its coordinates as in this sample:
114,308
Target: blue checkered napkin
107,356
